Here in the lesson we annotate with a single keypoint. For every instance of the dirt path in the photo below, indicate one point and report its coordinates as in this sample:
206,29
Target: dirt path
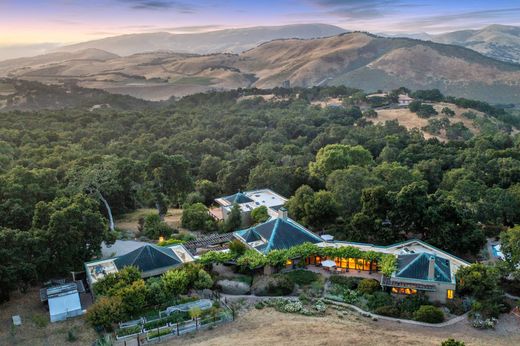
268,327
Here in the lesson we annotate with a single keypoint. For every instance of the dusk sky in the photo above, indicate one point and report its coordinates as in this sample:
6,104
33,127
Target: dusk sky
68,21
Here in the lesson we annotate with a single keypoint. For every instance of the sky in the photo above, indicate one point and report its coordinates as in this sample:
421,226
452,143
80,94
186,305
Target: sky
56,22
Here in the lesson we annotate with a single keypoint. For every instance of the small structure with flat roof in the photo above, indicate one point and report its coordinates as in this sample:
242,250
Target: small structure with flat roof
64,301
247,201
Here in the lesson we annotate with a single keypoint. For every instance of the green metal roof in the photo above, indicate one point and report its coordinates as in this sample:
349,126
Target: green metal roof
148,257
279,234
416,266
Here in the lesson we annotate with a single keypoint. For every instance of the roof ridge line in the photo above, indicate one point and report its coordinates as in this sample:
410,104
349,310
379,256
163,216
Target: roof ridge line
411,262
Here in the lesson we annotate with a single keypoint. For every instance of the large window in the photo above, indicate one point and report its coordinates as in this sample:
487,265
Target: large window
345,263
402,290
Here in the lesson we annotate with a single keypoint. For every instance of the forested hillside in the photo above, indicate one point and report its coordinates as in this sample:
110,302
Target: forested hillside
62,171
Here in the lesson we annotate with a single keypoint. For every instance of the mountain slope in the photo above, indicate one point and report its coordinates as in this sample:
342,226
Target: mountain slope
359,60
220,41
501,42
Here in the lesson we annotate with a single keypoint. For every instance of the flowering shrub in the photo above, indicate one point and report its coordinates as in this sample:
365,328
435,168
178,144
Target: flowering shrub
480,323
320,306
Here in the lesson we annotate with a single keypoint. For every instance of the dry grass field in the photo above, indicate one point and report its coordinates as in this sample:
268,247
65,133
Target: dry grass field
411,120
129,222
268,327
36,328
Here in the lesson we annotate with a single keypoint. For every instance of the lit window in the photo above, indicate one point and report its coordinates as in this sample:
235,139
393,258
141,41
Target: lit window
450,294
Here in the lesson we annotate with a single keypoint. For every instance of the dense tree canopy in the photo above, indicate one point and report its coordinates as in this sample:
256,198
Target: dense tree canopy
63,172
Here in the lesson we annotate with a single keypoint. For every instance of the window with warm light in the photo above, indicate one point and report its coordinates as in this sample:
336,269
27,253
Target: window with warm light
450,294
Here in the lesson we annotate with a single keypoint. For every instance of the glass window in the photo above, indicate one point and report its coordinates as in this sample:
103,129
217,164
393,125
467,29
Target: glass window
352,263
344,263
450,294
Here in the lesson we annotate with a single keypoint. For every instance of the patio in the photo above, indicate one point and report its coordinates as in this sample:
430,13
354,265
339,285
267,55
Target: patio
326,272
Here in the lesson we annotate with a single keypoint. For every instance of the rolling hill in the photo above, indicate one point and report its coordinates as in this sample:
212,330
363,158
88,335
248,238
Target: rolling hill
358,60
220,41
501,42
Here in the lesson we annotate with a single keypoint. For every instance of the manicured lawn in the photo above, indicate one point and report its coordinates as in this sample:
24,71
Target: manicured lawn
302,277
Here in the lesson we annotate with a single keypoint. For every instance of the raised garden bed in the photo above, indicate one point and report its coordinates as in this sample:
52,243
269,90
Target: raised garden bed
128,332
158,333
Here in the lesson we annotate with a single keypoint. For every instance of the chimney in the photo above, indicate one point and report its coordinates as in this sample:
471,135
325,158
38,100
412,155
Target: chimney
431,268
282,213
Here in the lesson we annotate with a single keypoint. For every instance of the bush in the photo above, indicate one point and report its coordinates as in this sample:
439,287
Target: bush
105,312
129,331
429,314
233,287
302,277
154,227
351,283
203,280
452,342
456,306
196,217
426,111
72,334
387,310
410,304
379,299
260,214
274,285
369,286
448,112
237,248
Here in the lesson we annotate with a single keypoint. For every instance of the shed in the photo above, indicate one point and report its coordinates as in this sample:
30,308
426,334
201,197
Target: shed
64,302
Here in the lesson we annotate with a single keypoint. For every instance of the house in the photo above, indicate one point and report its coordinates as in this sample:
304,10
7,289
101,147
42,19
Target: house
421,267
150,259
276,234
404,100
247,201
63,300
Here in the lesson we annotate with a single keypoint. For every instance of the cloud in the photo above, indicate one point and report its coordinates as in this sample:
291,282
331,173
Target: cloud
464,20
359,9
159,5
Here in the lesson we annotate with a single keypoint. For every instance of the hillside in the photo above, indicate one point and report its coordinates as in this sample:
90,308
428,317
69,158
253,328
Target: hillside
358,60
500,42
28,96
220,41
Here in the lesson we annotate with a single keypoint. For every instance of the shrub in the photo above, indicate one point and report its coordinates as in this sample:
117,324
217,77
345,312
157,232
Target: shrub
274,285
260,214
345,281
41,321
105,312
368,286
456,306
196,217
387,310
128,331
72,334
259,305
429,314
426,111
410,304
154,227
203,280
302,277
175,281
156,323
452,342
379,299
237,248
370,113
469,115
448,112
233,287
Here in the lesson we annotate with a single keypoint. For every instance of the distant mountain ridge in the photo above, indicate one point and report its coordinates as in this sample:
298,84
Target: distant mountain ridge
356,59
220,41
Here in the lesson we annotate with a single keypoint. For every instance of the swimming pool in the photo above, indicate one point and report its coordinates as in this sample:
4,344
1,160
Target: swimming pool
497,251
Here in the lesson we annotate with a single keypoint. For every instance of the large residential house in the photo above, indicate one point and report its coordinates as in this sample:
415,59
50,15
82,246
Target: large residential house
421,267
247,201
